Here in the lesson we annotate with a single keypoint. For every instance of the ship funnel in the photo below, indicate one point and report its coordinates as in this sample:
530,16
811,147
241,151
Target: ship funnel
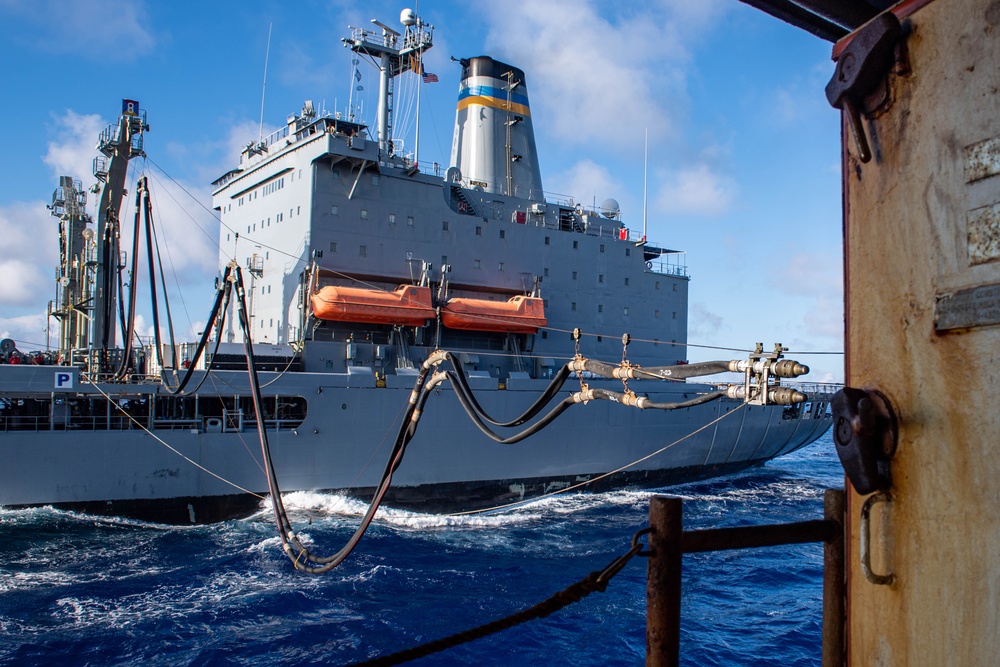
494,145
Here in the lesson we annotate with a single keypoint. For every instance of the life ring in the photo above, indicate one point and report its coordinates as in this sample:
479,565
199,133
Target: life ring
649,265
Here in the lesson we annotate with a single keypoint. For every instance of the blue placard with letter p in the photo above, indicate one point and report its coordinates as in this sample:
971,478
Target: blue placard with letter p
64,380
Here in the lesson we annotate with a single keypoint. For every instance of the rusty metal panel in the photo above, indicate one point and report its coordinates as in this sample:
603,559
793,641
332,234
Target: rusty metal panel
984,234
982,159
923,327
967,308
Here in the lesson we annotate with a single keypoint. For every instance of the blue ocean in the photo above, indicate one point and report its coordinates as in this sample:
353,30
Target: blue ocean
75,590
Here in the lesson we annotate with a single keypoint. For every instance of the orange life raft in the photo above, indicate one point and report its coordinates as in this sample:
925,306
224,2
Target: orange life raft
519,314
408,305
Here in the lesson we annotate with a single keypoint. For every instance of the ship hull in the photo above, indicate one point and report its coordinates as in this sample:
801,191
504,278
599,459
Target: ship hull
191,474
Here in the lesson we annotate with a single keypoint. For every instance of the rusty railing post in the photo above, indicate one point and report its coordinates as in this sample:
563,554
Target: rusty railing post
663,582
834,603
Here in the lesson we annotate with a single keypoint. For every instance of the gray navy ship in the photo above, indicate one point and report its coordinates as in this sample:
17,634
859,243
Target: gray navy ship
357,266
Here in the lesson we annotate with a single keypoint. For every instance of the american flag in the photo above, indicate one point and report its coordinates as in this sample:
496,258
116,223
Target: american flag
430,78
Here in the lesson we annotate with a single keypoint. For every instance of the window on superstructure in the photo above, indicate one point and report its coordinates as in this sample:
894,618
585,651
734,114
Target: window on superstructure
500,267
674,286
444,225
628,252
574,275
600,278
333,246
477,265
626,281
545,335
600,307
548,240
674,315
572,306
392,218
334,210
479,230
546,273
336,173
409,221
576,245
503,233
602,247
656,285
444,261
374,179
656,314
625,311
363,251
364,214
600,339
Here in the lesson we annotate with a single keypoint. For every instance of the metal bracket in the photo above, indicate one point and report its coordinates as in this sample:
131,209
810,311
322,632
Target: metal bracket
865,63
865,431
866,540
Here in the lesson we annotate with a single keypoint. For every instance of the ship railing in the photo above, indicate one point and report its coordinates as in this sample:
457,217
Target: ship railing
75,423
816,391
668,268
276,136
177,424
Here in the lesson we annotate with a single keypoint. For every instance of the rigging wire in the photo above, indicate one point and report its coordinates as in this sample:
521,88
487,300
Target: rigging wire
160,440
598,478
373,286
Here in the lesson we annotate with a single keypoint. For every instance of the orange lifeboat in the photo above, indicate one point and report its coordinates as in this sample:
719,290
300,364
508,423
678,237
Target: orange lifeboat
408,305
519,314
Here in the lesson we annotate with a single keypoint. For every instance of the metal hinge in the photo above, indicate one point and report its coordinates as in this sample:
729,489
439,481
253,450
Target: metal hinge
859,84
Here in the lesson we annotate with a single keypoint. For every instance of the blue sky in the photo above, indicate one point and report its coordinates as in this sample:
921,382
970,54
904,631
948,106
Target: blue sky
743,149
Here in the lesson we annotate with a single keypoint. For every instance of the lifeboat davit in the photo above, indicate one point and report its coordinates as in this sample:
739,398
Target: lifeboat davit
519,314
408,305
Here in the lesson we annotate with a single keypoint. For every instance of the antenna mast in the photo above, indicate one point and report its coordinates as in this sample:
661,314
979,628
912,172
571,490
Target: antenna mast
645,168
263,89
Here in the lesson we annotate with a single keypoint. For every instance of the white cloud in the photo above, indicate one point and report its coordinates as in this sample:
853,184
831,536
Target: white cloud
826,319
694,190
28,253
601,67
71,152
587,181
28,331
808,273
104,30
702,323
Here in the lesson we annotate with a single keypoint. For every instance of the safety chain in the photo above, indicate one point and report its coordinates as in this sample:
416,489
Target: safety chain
595,581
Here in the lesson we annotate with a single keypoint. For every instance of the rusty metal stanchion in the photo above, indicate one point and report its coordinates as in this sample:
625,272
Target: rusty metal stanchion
663,583
668,542
834,603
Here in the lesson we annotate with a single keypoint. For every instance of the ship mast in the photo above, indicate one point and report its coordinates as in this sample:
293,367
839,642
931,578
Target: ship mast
120,142
74,281
393,54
